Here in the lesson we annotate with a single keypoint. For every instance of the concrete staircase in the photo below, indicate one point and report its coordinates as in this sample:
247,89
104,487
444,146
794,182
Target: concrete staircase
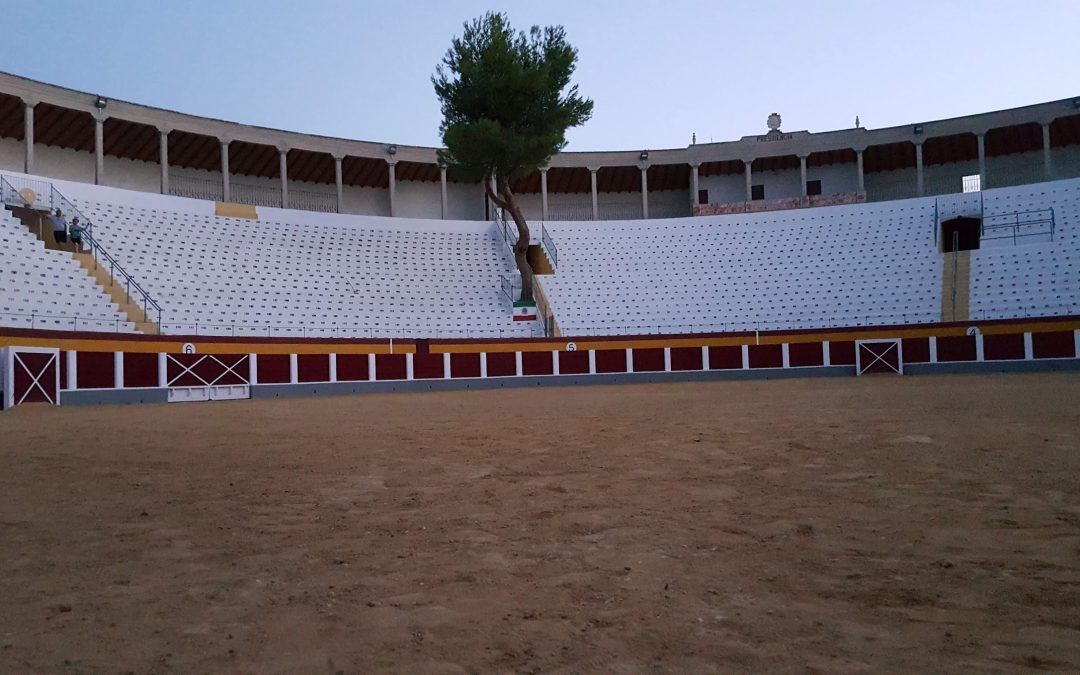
38,223
117,294
956,286
538,259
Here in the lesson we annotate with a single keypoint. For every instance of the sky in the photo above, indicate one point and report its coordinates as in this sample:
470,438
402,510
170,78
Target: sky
657,71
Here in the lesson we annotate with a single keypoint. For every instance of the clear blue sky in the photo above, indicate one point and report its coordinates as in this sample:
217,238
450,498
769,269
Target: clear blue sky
656,70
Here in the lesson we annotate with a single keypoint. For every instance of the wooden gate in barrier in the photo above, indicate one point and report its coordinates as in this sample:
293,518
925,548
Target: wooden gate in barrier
30,375
879,356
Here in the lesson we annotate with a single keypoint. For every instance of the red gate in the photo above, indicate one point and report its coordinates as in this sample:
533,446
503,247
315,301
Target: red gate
31,375
879,356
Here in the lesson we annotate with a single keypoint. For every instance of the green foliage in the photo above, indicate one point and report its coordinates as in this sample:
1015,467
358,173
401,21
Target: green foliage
503,103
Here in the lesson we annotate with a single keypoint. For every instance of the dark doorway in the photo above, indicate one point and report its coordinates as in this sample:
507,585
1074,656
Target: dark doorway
757,192
813,187
702,196
960,234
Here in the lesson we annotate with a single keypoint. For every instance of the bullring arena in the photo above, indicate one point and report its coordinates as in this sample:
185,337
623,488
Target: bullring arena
795,401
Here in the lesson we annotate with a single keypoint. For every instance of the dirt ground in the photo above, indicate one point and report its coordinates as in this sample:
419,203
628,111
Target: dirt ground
871,524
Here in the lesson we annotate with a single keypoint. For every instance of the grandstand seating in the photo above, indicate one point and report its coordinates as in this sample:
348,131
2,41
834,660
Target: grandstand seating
323,275
40,288
351,277
847,265
1035,276
816,268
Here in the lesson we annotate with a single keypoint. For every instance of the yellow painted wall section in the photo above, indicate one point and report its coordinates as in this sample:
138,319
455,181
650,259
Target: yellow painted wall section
210,346
231,210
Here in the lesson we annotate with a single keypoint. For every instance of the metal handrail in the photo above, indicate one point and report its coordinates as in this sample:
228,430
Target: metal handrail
56,200
1040,217
549,245
735,326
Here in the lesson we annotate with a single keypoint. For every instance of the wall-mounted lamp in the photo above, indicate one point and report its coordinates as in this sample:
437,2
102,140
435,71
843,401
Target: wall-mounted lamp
644,156
100,102
917,129
391,150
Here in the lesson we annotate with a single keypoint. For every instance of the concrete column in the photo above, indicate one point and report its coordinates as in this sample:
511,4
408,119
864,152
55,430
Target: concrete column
294,369
920,183
99,150
645,192
595,200
859,168
225,171
442,187
253,369
73,369
333,367
28,136
1048,162
118,370
338,183
283,169
802,173
749,180
981,138
163,159
694,201
543,195
390,164
162,369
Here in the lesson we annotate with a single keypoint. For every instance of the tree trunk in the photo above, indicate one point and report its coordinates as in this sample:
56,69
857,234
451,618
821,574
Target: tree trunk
505,200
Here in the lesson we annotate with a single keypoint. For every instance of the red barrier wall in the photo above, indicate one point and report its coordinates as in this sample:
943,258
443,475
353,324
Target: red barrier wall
648,360
427,366
766,356
724,358
1000,347
610,360
573,363
273,368
95,370
352,367
313,367
140,370
503,364
956,348
1057,345
916,350
536,363
801,354
686,358
465,365
842,353
390,367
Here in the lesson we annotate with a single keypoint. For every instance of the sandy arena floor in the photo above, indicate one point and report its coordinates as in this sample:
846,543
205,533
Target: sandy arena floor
917,524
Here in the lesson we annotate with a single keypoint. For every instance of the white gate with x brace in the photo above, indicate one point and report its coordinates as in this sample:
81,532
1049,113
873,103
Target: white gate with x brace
209,389
879,356
30,374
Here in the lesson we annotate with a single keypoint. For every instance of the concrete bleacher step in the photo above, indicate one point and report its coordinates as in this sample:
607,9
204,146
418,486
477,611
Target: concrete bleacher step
117,294
539,260
956,286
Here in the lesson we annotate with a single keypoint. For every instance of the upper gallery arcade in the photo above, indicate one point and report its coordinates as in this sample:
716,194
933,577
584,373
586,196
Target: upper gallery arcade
61,133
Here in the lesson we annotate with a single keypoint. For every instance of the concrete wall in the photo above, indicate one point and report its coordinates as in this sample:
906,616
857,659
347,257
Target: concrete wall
835,179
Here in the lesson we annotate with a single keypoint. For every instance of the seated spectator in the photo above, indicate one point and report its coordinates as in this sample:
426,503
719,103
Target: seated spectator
59,227
76,233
